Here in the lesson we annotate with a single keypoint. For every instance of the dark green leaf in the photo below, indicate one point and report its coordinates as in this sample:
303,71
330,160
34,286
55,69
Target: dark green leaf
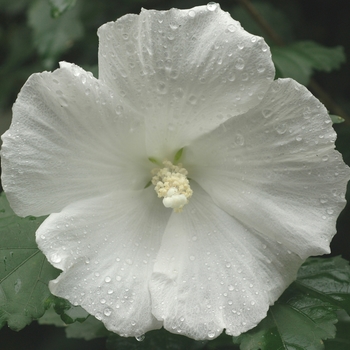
299,59
342,339
305,315
336,119
58,7
327,280
91,328
53,36
24,270
68,312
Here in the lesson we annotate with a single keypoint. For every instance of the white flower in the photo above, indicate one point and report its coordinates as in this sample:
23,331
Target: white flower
259,189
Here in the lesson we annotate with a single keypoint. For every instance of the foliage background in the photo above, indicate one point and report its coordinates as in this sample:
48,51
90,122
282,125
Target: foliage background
31,40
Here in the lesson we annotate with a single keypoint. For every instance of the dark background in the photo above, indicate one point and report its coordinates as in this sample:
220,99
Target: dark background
324,21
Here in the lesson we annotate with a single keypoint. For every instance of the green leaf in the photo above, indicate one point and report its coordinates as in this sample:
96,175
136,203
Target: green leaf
336,119
342,339
91,328
68,312
326,279
305,314
53,36
58,7
24,270
300,59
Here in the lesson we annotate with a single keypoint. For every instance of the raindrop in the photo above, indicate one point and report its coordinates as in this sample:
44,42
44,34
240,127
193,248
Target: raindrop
98,316
298,138
118,278
211,334
230,287
231,28
231,77
161,88
212,6
173,26
140,337
239,64
192,13
266,113
108,279
55,258
281,128
239,140
260,68
107,311
119,109
103,301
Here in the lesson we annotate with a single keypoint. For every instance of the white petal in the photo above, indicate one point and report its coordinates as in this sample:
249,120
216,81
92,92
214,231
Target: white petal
67,141
106,247
275,169
187,70
213,273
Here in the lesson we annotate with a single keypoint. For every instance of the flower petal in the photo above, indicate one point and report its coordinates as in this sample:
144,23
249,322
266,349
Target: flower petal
106,247
275,169
188,70
68,140
213,273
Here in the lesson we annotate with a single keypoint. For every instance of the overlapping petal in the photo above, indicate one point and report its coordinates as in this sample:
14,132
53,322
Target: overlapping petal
205,277
275,169
189,70
106,247
70,139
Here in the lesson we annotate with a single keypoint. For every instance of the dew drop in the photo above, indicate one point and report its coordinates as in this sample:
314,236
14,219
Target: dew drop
103,301
239,64
211,334
118,278
107,311
108,279
55,258
119,110
162,88
173,26
98,316
281,128
212,6
231,28
140,337
230,287
192,13
266,113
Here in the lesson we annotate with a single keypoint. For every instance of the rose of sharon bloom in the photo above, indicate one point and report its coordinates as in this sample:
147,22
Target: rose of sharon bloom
184,186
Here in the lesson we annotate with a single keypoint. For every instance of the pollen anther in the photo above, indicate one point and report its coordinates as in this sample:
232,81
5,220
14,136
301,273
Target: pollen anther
172,184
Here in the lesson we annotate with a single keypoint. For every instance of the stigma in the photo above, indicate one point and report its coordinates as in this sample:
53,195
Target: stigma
171,184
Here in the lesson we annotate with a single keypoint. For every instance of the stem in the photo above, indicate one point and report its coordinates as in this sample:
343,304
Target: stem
324,97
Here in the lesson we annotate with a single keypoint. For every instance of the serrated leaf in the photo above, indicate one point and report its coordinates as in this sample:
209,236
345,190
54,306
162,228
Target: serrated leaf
53,36
24,270
299,59
91,328
68,312
342,339
327,280
58,7
305,315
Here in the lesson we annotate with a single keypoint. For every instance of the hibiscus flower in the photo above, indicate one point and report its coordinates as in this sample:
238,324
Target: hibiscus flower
184,186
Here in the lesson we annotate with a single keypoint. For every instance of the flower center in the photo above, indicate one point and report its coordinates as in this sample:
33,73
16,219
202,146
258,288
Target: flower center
172,184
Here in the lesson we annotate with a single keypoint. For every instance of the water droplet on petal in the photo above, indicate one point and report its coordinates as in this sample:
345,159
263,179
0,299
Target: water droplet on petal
108,279
107,311
211,334
192,13
140,337
212,6
239,64
55,258
231,28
